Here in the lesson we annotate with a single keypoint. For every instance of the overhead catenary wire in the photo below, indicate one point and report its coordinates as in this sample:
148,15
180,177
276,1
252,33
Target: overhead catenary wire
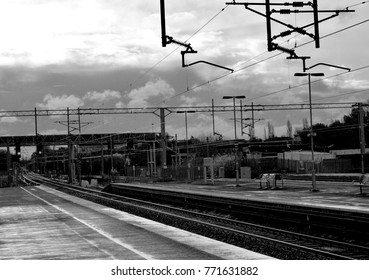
177,47
336,32
357,4
226,74
312,82
342,94
206,23
188,89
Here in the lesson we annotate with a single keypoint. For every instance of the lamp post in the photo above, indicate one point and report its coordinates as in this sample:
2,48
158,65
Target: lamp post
188,164
313,179
234,109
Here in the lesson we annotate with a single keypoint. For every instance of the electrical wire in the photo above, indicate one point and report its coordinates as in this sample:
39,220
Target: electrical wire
263,60
306,83
343,94
354,5
206,23
169,54
336,32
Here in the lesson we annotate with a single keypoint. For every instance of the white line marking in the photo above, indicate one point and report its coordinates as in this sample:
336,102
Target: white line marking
100,231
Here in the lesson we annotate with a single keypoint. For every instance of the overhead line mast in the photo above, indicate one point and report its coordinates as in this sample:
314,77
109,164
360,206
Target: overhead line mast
272,45
166,40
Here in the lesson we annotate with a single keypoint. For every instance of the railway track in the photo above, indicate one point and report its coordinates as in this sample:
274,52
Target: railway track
278,243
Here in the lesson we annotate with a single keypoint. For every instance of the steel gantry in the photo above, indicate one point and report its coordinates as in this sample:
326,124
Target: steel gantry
161,112
153,110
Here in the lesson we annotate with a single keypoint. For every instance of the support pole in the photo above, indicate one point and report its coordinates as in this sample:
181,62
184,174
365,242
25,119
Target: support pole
241,118
187,157
316,23
163,139
234,118
36,132
154,158
102,160
268,25
237,166
213,115
313,177
69,150
163,29
8,165
252,134
79,120
111,154
176,151
90,162
362,137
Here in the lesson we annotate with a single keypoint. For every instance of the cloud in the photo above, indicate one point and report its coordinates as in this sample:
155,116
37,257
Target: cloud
120,104
60,102
189,100
53,131
140,97
201,125
102,96
5,118
9,120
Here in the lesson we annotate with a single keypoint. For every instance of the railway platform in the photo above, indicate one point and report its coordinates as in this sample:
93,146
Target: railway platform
342,195
40,223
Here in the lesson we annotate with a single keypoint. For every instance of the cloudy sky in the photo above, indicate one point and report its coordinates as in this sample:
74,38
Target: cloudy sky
56,54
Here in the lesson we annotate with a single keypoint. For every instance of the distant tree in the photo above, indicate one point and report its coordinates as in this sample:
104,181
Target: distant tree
305,124
289,129
251,132
270,130
337,135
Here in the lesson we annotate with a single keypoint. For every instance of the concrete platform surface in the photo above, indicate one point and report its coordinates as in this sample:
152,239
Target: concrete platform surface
41,223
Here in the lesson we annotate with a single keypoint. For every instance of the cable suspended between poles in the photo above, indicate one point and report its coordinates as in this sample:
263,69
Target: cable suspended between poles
166,40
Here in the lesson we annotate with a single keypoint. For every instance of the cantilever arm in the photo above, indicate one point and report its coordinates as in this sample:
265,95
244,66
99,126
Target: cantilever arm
326,64
206,62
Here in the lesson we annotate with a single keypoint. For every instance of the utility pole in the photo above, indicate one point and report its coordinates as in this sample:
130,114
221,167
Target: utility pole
212,113
37,143
187,150
8,164
234,110
36,132
111,154
241,118
69,150
163,139
362,136
79,120
252,134
311,132
102,159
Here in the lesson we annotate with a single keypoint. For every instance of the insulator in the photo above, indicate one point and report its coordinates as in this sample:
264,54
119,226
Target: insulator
284,11
298,4
286,33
